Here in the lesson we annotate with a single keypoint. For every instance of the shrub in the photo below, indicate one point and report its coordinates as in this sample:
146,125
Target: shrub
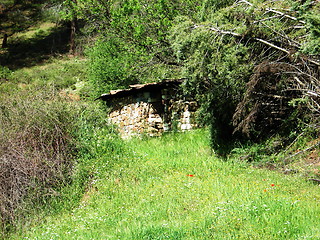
4,73
50,149
36,150
110,66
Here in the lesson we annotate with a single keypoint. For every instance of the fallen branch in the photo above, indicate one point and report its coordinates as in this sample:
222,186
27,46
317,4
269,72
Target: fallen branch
313,61
284,36
265,19
314,180
272,95
294,141
239,35
299,81
246,2
300,152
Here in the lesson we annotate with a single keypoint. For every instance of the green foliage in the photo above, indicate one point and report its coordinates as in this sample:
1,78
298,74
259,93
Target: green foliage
143,22
4,73
218,50
51,12
217,69
312,46
210,7
111,65
134,47
99,144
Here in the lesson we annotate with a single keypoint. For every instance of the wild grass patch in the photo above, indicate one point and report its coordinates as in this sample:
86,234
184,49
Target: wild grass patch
60,73
175,188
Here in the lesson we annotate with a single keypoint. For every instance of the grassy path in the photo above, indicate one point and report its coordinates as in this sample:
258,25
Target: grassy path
173,188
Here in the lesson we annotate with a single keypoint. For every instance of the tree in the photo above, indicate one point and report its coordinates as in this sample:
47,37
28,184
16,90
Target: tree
220,50
16,16
134,38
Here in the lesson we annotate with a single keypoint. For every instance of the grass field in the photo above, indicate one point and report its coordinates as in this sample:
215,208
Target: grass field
174,188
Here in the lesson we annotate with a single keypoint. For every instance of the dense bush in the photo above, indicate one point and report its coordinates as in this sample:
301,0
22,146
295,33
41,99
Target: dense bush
110,66
47,146
36,149
4,73
245,61
217,70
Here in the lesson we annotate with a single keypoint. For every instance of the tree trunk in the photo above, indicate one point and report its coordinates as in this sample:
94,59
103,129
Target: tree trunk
17,2
5,41
73,30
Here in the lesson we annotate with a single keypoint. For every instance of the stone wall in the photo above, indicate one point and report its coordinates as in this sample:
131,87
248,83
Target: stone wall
136,119
152,113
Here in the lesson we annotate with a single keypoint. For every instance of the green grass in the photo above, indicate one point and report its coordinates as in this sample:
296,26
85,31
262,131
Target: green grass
34,31
174,187
61,74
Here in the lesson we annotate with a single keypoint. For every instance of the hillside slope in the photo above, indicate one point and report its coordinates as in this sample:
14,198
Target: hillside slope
174,187
253,66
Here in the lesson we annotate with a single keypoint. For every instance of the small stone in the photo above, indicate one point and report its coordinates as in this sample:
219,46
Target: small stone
186,126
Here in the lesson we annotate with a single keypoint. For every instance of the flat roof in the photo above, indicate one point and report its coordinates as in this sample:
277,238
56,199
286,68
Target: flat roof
136,88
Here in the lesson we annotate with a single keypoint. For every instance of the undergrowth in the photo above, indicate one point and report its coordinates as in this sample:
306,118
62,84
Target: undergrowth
47,146
294,153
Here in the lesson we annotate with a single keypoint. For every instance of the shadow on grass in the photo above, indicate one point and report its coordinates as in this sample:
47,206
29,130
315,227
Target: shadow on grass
29,52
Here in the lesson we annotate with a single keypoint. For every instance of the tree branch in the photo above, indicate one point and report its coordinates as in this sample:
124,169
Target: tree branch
284,36
215,29
302,151
285,15
225,32
244,1
272,45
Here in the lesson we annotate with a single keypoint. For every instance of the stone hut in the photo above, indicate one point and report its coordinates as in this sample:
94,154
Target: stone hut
151,108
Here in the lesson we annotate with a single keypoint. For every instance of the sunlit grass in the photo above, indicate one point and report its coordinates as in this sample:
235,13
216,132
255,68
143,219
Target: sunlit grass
60,73
175,188
42,28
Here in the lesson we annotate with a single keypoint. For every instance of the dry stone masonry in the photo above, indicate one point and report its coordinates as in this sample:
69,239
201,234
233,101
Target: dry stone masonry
151,109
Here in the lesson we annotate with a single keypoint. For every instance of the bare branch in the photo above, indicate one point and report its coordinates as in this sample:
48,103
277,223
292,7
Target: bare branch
265,19
239,35
313,61
298,80
285,15
284,36
225,32
300,152
272,45
246,2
